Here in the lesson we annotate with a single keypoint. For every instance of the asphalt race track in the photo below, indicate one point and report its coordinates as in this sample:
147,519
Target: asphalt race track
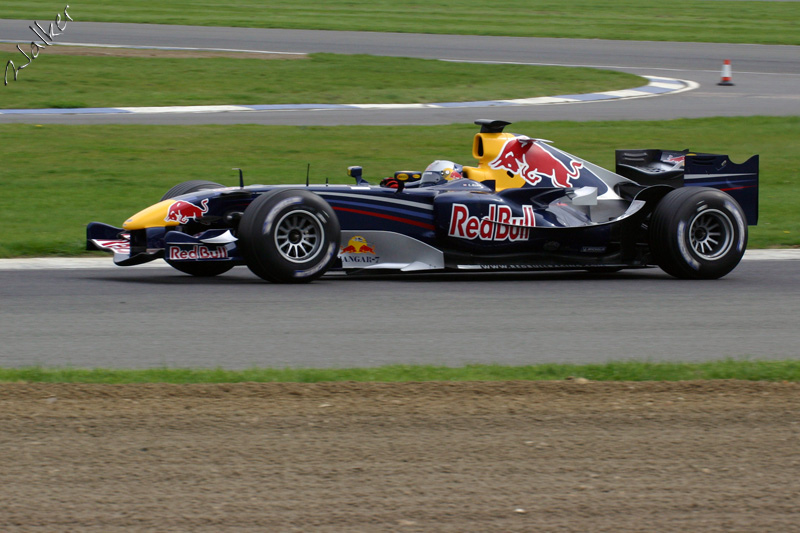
145,317
766,77
148,317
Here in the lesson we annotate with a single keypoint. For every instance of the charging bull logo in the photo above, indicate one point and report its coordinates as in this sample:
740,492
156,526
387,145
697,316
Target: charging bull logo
358,245
358,253
534,160
182,212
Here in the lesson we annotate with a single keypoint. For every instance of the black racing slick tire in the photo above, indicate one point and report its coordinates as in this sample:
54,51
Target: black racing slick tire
190,186
698,233
289,236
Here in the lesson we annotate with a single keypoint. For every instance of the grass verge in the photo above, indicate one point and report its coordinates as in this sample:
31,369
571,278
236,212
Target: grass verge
614,371
57,178
77,81
677,20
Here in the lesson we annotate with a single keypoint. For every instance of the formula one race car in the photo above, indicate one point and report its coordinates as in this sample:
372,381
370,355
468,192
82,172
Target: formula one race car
526,205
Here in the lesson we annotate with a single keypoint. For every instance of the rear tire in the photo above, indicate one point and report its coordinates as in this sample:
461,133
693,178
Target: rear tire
190,186
698,233
289,236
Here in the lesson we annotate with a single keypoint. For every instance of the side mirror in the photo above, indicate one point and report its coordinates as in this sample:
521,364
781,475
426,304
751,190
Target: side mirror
355,173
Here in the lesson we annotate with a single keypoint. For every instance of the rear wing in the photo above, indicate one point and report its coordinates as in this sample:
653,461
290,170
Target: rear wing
690,169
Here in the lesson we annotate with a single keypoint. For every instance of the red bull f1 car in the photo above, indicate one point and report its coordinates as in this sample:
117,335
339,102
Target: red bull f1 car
524,205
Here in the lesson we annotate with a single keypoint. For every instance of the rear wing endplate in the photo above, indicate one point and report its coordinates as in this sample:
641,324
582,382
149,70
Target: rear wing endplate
690,169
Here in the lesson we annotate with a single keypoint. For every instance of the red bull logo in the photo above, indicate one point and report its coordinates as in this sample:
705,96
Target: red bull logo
499,225
197,253
182,211
358,245
533,160
358,252
679,160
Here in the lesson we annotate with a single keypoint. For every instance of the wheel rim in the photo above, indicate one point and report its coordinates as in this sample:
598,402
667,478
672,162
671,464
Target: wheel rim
298,236
711,234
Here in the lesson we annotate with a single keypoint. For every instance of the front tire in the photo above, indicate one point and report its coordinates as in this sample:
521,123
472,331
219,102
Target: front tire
289,236
698,233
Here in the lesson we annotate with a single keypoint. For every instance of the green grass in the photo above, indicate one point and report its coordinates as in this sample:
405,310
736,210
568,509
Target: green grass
676,20
71,81
57,178
614,371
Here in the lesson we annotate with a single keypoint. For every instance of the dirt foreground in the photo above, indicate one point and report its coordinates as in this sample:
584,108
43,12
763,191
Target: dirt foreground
507,456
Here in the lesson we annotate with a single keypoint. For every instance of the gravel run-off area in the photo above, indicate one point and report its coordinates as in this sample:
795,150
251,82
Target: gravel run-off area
440,457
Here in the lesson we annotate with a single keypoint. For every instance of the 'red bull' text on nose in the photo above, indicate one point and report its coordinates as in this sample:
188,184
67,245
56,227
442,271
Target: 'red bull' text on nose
197,253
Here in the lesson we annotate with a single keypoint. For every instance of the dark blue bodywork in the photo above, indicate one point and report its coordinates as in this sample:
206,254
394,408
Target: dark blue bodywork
587,217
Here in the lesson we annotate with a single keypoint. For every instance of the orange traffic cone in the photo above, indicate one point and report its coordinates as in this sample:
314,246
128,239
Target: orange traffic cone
726,73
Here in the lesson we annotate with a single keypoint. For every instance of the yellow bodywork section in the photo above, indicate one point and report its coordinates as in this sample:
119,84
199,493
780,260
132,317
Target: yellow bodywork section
485,148
152,217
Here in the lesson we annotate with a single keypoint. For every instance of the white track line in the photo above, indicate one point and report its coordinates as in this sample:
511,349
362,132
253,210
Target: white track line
179,48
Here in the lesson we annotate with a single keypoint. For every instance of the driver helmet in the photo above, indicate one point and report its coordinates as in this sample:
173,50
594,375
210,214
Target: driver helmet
440,170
